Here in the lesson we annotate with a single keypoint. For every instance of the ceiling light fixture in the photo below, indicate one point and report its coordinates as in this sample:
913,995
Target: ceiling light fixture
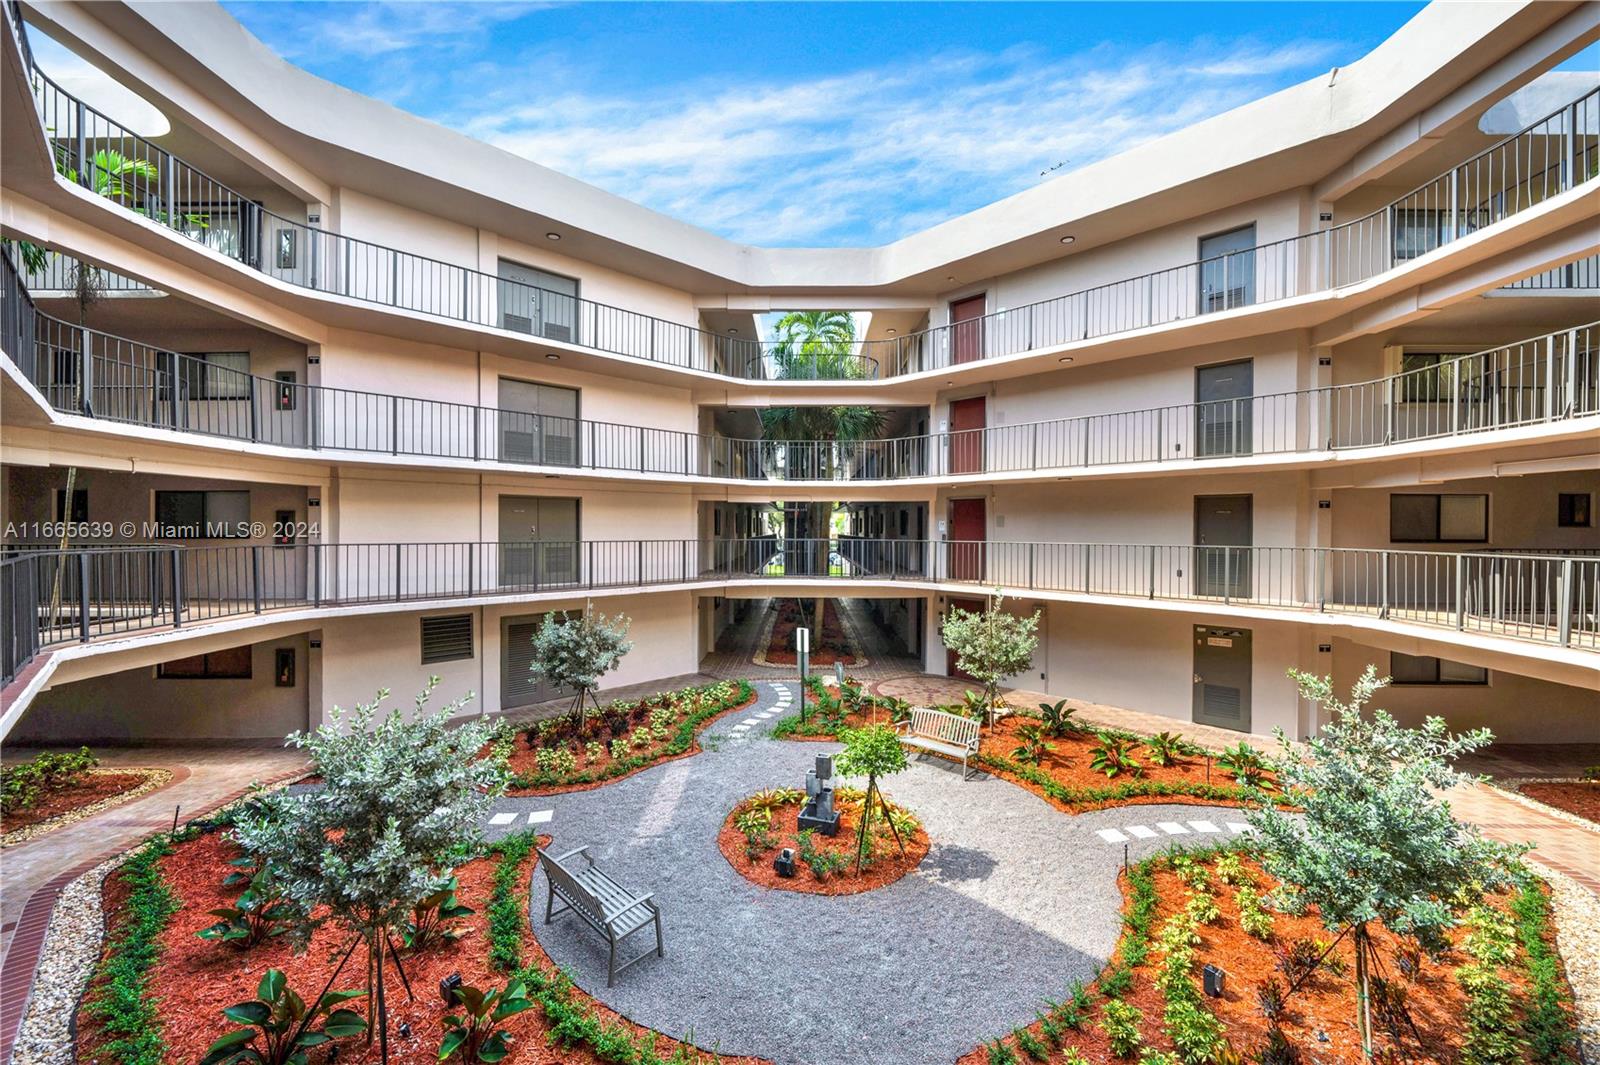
949,279
552,236
1064,359
733,331
1068,239
892,332
553,357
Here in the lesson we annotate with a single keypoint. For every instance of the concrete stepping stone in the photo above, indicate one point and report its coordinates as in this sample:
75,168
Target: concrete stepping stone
1142,832
1237,827
1111,835
502,819
1204,826
1172,828
540,817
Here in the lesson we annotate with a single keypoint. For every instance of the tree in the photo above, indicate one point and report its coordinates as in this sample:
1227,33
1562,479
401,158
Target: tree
872,752
401,803
574,652
1376,842
991,646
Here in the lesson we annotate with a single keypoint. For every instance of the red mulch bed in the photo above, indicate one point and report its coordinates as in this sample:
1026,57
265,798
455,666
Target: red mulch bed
833,645
890,865
1579,798
195,978
90,788
524,755
1325,1003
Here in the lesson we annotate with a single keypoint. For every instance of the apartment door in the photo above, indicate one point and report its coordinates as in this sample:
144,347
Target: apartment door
1223,401
967,420
538,540
966,328
538,423
1222,535
975,606
1222,677
519,686
969,529
538,302
1228,269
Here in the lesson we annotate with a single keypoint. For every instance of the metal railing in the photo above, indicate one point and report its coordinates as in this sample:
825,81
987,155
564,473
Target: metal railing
51,597
1578,275
57,278
1550,156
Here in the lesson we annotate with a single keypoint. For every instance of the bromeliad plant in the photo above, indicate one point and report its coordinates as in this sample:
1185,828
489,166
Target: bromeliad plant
1113,755
473,1031
280,1027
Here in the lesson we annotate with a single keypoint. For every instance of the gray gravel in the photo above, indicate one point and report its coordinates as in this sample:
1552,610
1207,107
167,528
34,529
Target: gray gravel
1014,901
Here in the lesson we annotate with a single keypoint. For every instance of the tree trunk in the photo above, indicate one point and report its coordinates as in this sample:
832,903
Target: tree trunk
1363,991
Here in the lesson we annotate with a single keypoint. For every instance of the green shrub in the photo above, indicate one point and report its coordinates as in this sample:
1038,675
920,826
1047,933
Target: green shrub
121,1000
1547,1021
507,914
1000,1054
1113,755
1120,1022
1031,1045
1254,918
24,784
1166,748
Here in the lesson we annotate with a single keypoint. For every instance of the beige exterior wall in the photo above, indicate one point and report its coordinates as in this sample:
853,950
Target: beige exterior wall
1522,513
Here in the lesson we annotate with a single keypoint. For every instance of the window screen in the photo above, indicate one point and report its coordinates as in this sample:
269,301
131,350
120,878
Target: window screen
447,638
1418,518
203,515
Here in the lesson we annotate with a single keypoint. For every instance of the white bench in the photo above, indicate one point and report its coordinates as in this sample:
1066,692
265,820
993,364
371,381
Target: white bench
943,733
605,905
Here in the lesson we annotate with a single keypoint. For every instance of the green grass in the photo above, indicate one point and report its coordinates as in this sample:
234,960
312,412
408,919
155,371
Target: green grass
121,1000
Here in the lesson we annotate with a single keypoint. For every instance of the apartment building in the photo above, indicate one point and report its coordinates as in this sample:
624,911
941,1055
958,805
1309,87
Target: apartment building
1312,384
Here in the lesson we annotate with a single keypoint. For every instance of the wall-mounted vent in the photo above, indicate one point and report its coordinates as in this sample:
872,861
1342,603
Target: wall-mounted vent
447,638
1222,702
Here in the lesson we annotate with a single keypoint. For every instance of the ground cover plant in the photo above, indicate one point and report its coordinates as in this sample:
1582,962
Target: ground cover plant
56,782
832,644
1497,995
829,711
621,737
765,823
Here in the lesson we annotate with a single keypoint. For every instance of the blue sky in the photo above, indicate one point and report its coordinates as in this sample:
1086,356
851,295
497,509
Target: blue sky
818,124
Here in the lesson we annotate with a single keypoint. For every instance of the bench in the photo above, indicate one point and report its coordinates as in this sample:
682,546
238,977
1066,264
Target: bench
607,906
943,733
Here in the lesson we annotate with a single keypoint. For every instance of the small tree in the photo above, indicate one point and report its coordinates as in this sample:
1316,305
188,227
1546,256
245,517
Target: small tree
872,752
991,646
574,652
1376,842
400,804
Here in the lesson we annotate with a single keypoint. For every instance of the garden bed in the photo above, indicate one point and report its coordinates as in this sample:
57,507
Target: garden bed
1318,1020
833,643
159,990
830,711
618,740
759,827
93,790
1580,798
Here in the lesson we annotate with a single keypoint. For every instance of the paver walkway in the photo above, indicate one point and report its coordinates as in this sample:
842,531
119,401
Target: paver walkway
1561,845
734,658
1014,900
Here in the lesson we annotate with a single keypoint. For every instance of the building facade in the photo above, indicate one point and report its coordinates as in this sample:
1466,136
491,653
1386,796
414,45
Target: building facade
291,415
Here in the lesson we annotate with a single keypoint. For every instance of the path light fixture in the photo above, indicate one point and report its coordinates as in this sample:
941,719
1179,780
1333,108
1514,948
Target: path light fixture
784,862
447,988
1213,978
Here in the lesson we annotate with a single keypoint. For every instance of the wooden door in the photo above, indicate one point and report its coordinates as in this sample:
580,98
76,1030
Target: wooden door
974,606
969,529
966,321
967,420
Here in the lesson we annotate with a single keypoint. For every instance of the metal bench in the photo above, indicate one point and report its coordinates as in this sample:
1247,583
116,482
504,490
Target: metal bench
943,733
607,906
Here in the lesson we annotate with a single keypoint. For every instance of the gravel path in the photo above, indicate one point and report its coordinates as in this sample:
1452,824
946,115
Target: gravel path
1013,902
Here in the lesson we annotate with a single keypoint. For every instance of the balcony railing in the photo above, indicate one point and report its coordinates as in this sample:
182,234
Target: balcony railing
1545,379
1577,276
1550,156
53,597
58,277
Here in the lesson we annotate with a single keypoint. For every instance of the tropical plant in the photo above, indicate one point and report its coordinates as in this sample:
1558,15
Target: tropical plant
1376,842
990,646
820,861
575,651
1113,755
259,912
427,924
402,802
1031,746
280,1027
1166,748
1120,1023
1058,718
1248,765
474,1031
872,752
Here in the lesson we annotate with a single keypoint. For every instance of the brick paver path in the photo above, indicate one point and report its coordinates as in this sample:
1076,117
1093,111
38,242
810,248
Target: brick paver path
1561,845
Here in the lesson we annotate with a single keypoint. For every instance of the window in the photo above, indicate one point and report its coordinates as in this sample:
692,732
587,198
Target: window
1422,669
1572,510
1417,232
218,228
80,505
203,515
447,638
216,375
232,663
1428,377
1418,519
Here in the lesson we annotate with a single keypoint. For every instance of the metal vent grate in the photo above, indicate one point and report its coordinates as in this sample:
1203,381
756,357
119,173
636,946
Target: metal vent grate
1221,702
447,638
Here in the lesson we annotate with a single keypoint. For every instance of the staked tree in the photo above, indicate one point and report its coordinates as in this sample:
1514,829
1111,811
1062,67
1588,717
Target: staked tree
575,651
990,646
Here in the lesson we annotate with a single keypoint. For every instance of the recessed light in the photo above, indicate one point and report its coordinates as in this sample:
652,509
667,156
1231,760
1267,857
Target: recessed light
892,332
949,279
553,357
733,331
1065,359
1068,239
949,382
552,236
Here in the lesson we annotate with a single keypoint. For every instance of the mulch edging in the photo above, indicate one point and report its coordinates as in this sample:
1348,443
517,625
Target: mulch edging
890,865
154,780
1509,787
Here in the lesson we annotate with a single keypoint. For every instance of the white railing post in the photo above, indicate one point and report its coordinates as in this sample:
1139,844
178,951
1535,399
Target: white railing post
1564,603
1383,584
1461,592
1550,378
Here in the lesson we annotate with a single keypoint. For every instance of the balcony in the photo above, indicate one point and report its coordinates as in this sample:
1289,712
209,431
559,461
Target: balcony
1551,156
51,598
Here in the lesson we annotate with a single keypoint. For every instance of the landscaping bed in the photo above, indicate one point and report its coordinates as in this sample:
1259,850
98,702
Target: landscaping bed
90,791
760,826
830,711
831,645
158,991
618,740
1498,995
1580,798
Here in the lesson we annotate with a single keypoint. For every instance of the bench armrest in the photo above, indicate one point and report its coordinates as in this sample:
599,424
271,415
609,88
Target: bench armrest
902,728
574,853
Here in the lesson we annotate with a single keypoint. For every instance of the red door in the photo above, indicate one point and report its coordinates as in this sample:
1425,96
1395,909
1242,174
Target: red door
974,606
966,319
967,420
969,529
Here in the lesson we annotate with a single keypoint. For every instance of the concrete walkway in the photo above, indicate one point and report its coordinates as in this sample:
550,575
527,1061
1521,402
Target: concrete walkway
1013,902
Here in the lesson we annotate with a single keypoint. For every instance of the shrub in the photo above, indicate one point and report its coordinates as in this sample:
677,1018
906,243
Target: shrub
259,912
1253,916
1000,1054
991,646
1166,748
1113,755
1193,1029
1547,1021
474,1031
1270,996
120,998
1031,745
1229,867
1116,981
507,913
1057,718
1202,909
427,923
574,652
1247,765
1120,1022
1031,1045
821,862
280,1027
24,784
